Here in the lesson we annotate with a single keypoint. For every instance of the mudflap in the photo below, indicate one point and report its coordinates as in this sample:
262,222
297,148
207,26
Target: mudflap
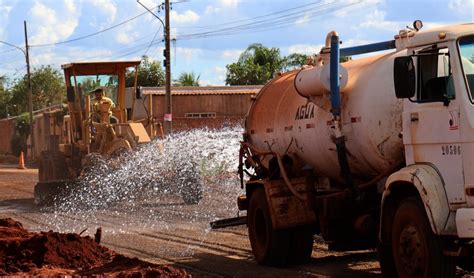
46,193
286,209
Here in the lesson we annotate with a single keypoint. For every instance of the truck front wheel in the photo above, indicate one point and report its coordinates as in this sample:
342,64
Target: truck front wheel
417,251
269,247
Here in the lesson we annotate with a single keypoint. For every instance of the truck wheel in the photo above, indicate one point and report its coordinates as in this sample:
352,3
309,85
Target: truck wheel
301,245
269,247
417,251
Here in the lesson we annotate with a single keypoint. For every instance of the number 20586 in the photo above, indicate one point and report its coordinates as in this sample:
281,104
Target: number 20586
450,150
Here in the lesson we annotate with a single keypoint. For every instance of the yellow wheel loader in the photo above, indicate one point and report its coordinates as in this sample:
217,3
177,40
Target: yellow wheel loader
105,131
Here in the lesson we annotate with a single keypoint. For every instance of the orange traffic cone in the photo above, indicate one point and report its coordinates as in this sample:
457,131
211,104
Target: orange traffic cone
21,162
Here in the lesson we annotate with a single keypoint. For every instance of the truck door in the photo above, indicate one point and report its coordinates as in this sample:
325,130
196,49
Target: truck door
431,128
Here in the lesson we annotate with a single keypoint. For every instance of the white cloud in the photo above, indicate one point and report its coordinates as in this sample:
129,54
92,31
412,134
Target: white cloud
187,17
188,54
465,7
107,7
355,42
357,5
4,15
231,54
230,3
70,6
58,57
376,20
304,49
212,10
50,25
220,74
124,38
223,4
173,33
205,82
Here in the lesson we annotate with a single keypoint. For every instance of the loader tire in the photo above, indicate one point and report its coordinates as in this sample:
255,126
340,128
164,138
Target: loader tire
417,251
192,193
269,247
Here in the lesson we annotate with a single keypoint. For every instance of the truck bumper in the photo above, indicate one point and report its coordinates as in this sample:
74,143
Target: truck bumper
465,222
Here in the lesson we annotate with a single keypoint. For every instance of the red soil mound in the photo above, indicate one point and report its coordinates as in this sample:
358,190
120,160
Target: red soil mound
23,253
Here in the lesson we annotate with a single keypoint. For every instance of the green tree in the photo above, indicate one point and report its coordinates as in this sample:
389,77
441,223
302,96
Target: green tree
294,61
150,73
22,130
5,97
345,59
88,84
47,86
256,65
188,79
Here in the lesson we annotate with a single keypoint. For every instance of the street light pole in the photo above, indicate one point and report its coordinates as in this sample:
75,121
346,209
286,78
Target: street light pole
168,124
30,94
168,112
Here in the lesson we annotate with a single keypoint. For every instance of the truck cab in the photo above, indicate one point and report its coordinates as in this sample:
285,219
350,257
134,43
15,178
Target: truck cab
436,81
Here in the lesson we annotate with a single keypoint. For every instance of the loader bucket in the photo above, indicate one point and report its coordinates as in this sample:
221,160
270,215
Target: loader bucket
46,192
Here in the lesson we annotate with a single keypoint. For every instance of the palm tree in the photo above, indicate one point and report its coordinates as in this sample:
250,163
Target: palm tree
188,79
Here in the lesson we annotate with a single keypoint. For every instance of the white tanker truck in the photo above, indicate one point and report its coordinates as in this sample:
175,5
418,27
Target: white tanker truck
373,152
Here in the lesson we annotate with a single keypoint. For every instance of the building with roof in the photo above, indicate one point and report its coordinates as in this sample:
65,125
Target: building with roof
193,107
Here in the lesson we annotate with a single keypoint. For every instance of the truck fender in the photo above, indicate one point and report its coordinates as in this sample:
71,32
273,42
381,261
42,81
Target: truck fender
429,184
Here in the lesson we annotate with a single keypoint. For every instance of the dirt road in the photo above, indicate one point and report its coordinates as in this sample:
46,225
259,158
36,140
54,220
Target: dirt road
162,229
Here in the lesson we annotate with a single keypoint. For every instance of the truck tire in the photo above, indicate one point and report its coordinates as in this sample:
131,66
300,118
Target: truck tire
269,247
417,251
301,245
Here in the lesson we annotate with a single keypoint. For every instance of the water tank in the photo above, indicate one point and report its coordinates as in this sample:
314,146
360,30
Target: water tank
283,121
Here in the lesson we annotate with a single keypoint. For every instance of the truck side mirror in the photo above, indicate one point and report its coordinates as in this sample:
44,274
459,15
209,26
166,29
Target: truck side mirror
404,77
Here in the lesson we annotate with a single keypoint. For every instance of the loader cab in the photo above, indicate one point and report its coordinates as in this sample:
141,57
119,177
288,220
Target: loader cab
80,79
436,79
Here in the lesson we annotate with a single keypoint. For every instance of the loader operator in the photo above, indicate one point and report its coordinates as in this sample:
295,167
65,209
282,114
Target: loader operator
102,107
101,118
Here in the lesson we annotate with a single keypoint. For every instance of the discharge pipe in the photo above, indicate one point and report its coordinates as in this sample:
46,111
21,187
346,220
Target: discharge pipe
336,112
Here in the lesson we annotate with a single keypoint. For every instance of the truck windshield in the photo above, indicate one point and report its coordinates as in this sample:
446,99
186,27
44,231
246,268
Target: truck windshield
109,83
466,49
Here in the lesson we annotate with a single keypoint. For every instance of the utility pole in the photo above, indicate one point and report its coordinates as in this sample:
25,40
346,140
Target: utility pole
30,94
168,119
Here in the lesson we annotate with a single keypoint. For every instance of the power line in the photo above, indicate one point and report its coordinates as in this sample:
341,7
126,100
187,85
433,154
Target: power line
253,18
280,20
92,34
256,26
148,48
123,52
8,50
267,24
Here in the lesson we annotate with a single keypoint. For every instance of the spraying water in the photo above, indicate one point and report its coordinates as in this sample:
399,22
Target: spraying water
149,189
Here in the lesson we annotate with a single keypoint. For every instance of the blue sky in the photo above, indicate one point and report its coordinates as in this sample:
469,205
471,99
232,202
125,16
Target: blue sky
302,27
